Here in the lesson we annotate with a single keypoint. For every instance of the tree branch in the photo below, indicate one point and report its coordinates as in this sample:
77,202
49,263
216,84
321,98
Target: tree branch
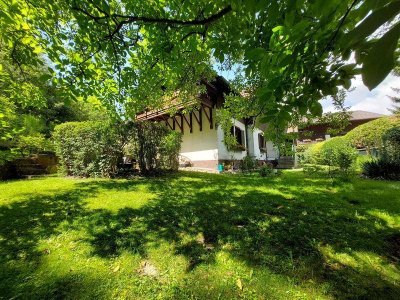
122,20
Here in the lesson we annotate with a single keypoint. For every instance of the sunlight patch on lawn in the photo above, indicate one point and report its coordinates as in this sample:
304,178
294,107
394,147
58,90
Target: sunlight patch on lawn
361,262
114,201
391,220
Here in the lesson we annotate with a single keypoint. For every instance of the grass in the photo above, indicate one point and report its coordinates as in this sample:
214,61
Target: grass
202,236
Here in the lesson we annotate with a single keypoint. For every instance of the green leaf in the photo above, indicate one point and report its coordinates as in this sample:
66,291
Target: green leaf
347,84
372,23
316,109
277,28
256,53
45,77
380,59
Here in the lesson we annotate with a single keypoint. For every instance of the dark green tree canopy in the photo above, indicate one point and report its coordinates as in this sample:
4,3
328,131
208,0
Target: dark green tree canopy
135,54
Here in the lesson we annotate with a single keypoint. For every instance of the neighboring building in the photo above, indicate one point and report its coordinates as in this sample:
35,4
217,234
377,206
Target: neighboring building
318,132
203,140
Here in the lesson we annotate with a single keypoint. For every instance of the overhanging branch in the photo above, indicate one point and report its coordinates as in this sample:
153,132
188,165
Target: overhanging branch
121,20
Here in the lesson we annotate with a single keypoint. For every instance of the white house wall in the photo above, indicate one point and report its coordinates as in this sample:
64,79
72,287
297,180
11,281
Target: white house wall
255,149
199,146
223,152
205,148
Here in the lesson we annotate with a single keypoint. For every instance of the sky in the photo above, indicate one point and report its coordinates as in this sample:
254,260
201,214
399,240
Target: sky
361,98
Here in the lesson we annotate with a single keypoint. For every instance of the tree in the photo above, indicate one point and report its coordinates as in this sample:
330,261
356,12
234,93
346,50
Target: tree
396,101
30,107
135,54
396,98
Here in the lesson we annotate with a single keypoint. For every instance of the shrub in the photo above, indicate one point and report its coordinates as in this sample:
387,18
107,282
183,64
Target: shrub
370,135
382,168
312,155
313,169
300,152
87,148
266,170
169,150
33,144
391,140
247,164
387,166
156,147
339,153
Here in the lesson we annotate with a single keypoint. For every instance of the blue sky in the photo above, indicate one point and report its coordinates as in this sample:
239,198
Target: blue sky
361,98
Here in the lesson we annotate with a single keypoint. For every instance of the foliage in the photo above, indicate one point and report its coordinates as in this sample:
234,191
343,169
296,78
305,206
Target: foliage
336,152
382,168
266,170
312,155
392,136
135,55
88,148
29,144
300,151
247,164
396,100
339,153
156,147
313,169
369,135
30,107
169,150
336,121
387,165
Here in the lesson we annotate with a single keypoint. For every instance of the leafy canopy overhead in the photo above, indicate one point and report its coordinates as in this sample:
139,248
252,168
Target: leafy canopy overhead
132,54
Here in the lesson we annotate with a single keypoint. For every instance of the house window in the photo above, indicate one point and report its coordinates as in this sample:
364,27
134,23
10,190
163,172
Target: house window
261,141
238,134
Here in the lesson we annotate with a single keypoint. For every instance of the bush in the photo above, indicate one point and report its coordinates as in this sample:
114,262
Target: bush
156,147
312,155
391,140
33,144
87,148
247,164
266,170
338,152
387,166
370,135
382,168
301,151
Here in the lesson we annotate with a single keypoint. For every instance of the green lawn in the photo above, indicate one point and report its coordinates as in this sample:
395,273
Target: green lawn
200,236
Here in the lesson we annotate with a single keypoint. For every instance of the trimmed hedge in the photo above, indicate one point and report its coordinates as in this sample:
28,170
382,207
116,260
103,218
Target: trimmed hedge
312,155
336,152
339,153
370,135
87,148
387,166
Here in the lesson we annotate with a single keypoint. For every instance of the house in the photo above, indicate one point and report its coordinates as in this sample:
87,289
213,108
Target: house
203,139
319,131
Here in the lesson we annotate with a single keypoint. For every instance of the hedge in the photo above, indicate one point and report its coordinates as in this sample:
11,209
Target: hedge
95,149
370,135
87,148
387,166
336,152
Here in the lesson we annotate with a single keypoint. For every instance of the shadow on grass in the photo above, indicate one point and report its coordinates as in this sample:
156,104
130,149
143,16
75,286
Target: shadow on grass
282,228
